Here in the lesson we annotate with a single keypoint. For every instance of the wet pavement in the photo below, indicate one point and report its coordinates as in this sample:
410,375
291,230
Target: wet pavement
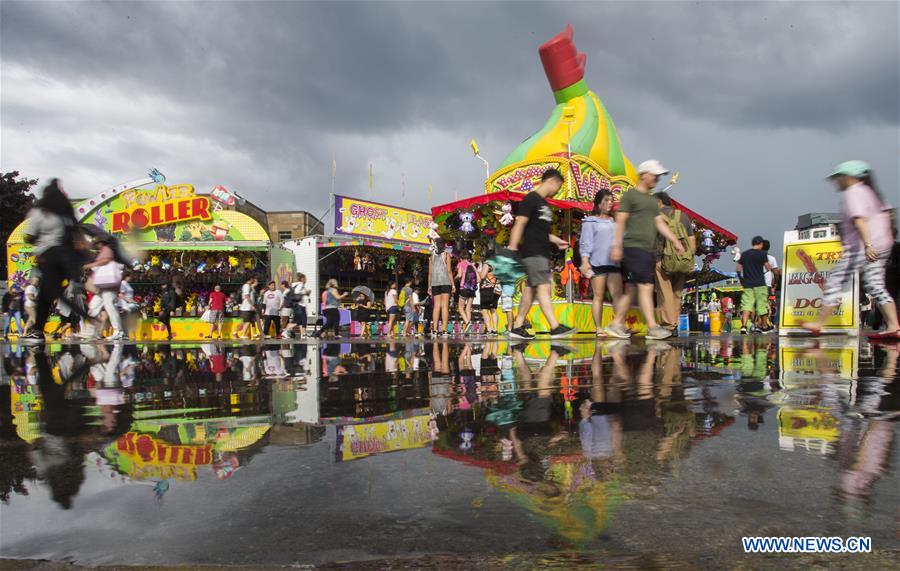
449,454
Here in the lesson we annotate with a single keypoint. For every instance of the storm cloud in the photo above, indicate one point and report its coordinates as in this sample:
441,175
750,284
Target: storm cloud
752,102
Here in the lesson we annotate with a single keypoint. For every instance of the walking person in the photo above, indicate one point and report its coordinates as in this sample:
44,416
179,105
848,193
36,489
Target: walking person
409,309
272,301
298,301
672,269
286,305
168,302
12,311
489,294
248,310
391,307
531,238
217,299
331,309
752,271
31,293
128,306
467,276
773,283
866,242
638,221
107,278
53,232
440,287
597,233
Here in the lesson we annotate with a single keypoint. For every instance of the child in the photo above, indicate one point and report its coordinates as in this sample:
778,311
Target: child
390,306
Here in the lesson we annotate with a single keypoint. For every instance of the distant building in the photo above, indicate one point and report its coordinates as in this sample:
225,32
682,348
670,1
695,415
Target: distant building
293,225
818,225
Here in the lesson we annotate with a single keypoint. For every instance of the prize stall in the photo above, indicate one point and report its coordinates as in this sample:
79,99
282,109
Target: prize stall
372,245
579,140
174,235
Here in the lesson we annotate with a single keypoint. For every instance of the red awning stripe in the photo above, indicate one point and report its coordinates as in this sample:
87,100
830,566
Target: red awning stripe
731,237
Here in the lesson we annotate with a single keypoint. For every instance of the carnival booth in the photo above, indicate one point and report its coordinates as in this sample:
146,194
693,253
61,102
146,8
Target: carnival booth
372,245
175,236
579,140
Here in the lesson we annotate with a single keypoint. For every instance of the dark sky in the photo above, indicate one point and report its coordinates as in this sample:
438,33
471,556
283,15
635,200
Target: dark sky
753,102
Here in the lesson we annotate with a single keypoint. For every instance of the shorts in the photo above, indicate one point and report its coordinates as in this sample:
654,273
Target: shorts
285,312
411,316
639,266
757,297
362,315
604,270
248,316
537,270
488,298
393,310
441,290
465,293
506,302
298,316
216,316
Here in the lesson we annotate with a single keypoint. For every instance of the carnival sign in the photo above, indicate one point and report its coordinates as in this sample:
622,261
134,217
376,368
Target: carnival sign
360,440
807,266
160,206
362,218
583,178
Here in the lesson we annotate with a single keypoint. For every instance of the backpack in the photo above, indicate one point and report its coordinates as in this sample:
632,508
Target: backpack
672,262
470,278
401,300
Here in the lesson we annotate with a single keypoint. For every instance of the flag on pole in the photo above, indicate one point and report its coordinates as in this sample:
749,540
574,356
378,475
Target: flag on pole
370,177
333,167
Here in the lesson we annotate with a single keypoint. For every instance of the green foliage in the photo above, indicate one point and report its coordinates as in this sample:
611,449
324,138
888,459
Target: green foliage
15,200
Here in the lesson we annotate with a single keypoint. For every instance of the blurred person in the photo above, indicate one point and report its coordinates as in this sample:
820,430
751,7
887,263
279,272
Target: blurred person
866,242
52,230
489,294
31,293
597,233
467,277
12,310
638,221
331,309
109,289
391,308
248,310
299,299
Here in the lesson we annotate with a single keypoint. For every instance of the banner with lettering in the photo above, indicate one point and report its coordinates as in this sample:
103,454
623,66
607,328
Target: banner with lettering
363,218
360,440
807,264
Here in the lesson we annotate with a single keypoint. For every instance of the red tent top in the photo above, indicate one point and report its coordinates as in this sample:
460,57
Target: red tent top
506,195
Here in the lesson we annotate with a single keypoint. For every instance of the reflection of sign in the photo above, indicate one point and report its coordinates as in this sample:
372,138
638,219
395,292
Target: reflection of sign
147,449
583,178
799,361
361,440
806,267
361,218
808,424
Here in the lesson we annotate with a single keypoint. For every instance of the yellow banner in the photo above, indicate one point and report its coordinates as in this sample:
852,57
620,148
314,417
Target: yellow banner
361,440
806,267
364,218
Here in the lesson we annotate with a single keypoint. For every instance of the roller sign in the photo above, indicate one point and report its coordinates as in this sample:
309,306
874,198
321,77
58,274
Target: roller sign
807,266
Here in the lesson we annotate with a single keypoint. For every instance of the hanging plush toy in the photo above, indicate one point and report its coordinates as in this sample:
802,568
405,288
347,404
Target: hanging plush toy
505,214
707,245
233,261
391,263
154,260
466,226
432,232
467,436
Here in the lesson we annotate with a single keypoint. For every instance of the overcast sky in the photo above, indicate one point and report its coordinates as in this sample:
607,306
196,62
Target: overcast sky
753,102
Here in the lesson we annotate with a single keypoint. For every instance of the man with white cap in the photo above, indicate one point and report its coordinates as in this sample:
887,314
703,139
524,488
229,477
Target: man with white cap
638,221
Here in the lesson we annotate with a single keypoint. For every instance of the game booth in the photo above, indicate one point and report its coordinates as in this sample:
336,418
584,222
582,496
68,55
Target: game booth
372,245
579,140
173,234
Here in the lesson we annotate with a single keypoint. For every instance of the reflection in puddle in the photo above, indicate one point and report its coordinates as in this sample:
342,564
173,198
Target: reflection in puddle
571,445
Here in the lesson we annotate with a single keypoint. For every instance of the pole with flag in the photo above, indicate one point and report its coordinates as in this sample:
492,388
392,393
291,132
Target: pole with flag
430,192
403,185
333,172
370,178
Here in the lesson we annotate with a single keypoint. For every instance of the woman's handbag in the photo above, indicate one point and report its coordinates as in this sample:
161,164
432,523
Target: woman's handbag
107,276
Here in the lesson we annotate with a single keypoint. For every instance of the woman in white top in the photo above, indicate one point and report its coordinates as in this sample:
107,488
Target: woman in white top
109,295
391,307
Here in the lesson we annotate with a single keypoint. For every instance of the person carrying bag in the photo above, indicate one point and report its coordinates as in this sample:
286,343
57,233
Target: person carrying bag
106,275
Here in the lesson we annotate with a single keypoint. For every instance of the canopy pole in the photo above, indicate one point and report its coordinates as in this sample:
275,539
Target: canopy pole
570,286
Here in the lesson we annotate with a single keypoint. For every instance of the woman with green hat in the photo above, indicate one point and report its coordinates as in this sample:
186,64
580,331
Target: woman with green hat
866,240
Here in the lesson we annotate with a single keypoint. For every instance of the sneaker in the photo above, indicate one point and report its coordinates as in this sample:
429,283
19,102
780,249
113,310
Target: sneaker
658,333
617,332
743,330
118,336
561,350
32,338
520,333
562,331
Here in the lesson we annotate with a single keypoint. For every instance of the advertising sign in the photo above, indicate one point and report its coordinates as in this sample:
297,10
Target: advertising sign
361,440
807,265
362,218
583,178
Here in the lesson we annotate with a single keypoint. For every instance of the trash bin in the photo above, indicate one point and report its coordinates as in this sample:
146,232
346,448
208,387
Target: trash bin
715,322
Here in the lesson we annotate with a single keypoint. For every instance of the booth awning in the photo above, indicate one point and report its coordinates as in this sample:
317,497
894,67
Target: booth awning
710,276
232,246
505,196
341,241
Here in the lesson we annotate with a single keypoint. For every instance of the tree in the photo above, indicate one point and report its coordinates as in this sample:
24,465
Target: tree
15,200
